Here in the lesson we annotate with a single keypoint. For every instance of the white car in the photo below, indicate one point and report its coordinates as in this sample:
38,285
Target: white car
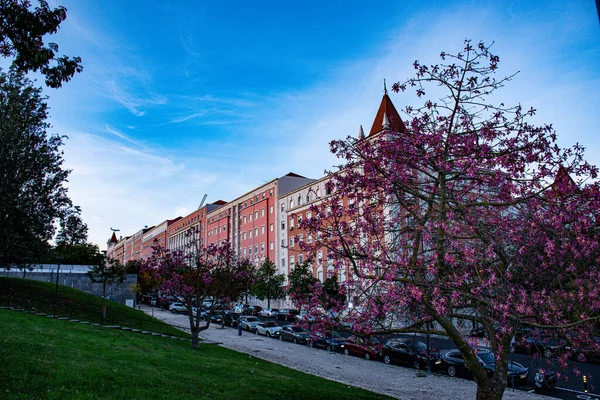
178,308
268,328
269,312
248,322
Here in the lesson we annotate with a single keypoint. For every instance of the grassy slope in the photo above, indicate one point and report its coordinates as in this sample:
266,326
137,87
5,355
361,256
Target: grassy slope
39,296
52,359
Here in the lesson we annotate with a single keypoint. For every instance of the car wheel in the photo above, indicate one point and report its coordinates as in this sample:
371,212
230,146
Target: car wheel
309,343
346,352
268,334
452,370
281,338
367,356
256,331
581,357
547,352
295,341
416,364
330,348
387,360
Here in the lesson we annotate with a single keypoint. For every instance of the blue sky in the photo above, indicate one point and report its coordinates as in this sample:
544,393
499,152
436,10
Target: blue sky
182,98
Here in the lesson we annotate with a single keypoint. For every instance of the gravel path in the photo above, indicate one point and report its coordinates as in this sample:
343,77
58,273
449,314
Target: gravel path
394,381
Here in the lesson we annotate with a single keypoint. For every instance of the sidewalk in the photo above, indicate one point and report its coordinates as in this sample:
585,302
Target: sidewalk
394,381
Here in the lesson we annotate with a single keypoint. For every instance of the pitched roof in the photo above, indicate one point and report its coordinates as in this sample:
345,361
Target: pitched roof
113,239
563,181
387,108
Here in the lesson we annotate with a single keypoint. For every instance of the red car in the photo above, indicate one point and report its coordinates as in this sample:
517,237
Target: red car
370,348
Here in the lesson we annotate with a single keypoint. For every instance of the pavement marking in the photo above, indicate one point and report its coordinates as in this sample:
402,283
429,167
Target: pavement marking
593,396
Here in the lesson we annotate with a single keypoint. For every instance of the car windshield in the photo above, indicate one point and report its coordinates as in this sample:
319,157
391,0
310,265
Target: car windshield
487,358
334,335
298,329
419,346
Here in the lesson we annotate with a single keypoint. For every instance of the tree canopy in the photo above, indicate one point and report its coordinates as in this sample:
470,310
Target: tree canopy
268,284
471,213
22,32
32,195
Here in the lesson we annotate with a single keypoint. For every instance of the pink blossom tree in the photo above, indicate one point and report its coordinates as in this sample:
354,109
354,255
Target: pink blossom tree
199,274
469,214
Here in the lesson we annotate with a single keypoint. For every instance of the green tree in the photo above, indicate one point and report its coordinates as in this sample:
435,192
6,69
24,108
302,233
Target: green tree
301,282
269,284
32,195
73,231
22,32
108,272
80,254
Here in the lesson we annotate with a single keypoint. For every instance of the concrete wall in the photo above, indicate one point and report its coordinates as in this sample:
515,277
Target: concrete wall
119,293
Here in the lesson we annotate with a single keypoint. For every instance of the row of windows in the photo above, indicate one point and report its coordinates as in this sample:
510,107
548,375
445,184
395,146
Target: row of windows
257,198
262,249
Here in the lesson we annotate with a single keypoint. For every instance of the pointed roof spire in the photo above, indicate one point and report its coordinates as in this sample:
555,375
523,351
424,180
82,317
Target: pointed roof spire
361,133
113,239
384,87
386,122
387,110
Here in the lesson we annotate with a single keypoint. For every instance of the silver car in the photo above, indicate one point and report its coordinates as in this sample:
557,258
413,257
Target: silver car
248,322
269,329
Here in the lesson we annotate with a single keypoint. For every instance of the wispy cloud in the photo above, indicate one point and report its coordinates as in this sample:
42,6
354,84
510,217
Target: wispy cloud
187,117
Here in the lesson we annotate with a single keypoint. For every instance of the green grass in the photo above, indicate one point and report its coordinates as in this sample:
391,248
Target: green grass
44,358
38,296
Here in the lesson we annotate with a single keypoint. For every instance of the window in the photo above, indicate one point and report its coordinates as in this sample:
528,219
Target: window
300,238
299,217
309,215
271,192
299,199
291,204
244,251
255,249
282,225
282,207
244,219
292,241
271,246
282,242
291,223
262,230
250,250
300,258
292,262
271,228
255,215
271,210
249,217
283,262
244,236
262,247
255,232
309,238
262,212
328,211
250,234
308,197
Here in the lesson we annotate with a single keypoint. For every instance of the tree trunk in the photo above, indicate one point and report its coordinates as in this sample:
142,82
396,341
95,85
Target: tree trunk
195,338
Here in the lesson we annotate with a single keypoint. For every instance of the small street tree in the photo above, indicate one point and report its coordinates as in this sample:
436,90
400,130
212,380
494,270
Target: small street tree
268,284
466,213
108,272
203,273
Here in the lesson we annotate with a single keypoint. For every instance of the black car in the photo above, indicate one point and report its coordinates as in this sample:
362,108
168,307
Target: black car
539,343
294,333
231,319
330,340
251,310
287,314
217,318
454,364
587,353
410,352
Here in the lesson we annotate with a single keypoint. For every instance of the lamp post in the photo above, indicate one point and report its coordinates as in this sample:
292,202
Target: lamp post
58,260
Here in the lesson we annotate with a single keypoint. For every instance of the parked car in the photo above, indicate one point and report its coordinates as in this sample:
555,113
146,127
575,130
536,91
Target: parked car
217,318
248,322
330,340
269,312
286,314
268,328
178,308
370,348
454,364
231,319
410,352
251,310
294,333
303,316
587,353
478,331
539,342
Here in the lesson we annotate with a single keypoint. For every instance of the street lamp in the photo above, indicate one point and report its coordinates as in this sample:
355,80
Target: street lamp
58,260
